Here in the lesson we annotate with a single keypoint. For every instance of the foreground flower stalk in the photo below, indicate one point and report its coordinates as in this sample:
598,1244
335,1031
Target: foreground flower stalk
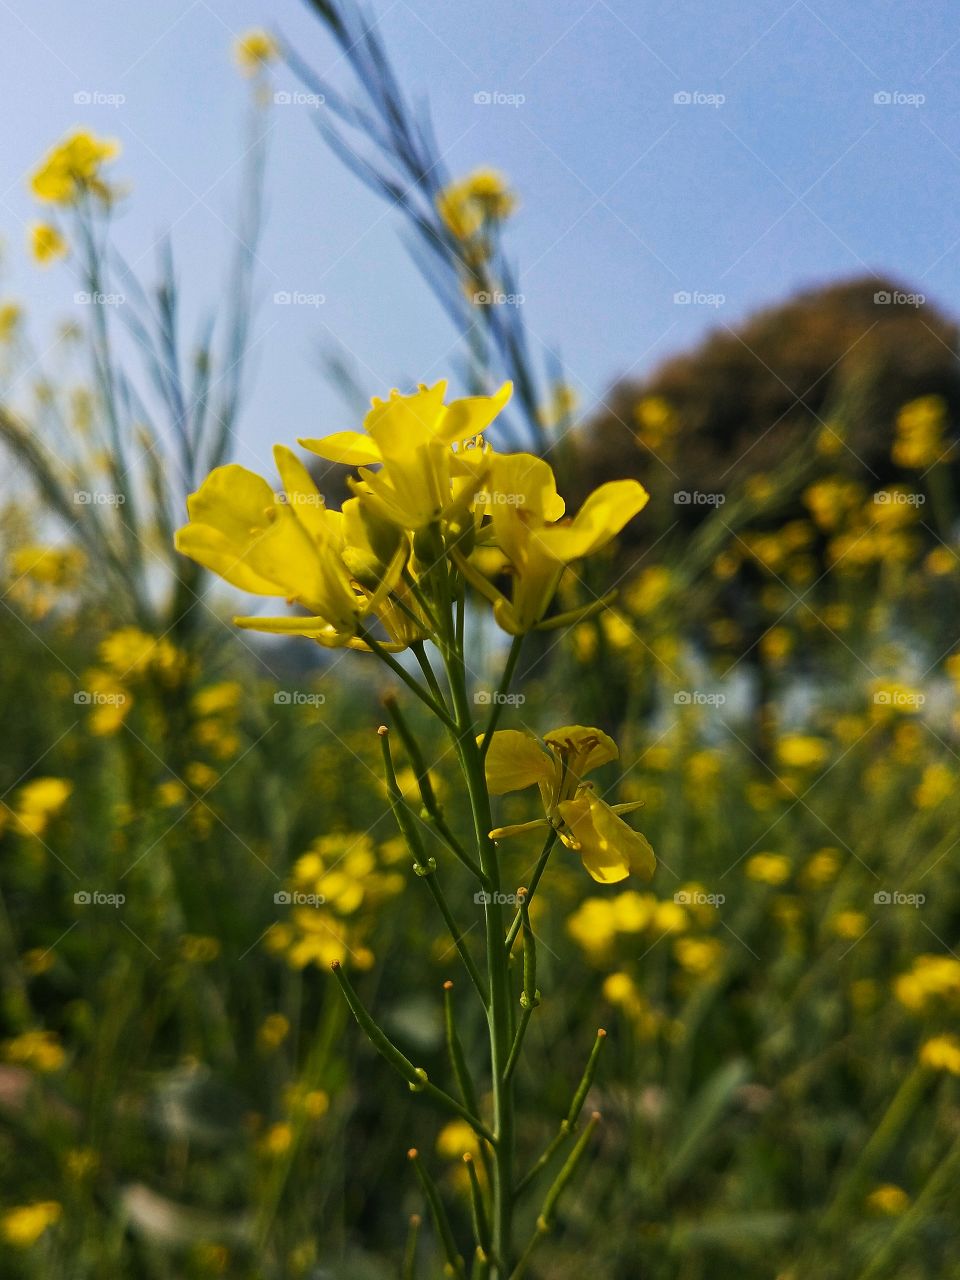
436,513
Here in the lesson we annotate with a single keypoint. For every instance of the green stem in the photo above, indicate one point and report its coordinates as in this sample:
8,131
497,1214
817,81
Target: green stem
440,1220
498,1018
386,657
532,887
500,697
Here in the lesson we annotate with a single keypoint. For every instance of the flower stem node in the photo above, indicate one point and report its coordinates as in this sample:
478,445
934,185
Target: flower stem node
526,1002
425,868
421,1082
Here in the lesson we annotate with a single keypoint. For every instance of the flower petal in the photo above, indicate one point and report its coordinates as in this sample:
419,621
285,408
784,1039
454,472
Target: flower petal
515,760
609,849
601,518
350,448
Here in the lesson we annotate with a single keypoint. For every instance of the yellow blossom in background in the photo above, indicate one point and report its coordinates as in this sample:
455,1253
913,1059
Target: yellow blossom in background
800,751
254,50
53,566
921,429
849,924
38,1050
931,980
130,651
649,590
698,956
470,204
277,1140
455,1139
938,783
657,422
198,948
942,1053
72,169
23,1225
273,1031
831,501
822,868
768,868
171,793
593,926
38,801
46,243
888,1199
81,1162
11,314
218,699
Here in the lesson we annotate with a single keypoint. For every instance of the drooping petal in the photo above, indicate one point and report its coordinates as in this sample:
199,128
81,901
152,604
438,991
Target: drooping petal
350,448
601,518
232,500
472,415
515,760
608,848
215,551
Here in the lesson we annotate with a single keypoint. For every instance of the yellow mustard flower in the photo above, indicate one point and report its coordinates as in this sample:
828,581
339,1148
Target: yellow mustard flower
455,1139
931,980
72,169
921,427
46,243
768,868
888,1198
277,1140
254,49
942,1053
698,956
527,524
410,438
23,1225
938,783
470,204
273,1031
289,546
608,848
38,1050
849,924
11,314
38,801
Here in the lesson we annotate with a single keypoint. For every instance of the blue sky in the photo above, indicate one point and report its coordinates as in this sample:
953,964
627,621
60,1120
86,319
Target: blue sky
797,176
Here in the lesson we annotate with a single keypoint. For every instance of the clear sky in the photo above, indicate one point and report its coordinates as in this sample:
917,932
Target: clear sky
795,177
